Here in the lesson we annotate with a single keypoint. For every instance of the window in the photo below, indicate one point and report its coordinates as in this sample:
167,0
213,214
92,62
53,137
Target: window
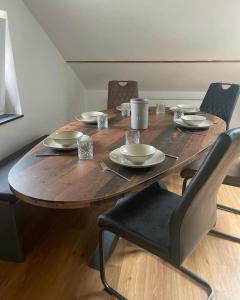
2,64
10,107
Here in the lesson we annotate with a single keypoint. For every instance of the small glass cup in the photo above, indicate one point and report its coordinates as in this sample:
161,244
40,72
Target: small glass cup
102,121
132,137
85,147
160,108
126,111
178,113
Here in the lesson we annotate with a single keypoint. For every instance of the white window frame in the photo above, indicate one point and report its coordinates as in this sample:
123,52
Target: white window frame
2,63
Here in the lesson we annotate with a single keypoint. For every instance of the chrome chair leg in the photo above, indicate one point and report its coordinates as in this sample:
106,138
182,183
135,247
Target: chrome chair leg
225,236
107,287
221,234
202,282
228,209
217,233
113,292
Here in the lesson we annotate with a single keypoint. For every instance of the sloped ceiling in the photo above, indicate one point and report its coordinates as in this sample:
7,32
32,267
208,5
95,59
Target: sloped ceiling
145,30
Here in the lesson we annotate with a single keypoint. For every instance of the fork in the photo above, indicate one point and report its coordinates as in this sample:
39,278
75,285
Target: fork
106,168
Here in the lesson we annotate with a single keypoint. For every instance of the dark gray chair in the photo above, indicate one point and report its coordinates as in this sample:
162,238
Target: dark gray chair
120,91
220,100
166,224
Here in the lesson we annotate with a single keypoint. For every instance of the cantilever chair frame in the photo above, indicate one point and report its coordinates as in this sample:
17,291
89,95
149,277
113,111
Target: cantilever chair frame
229,209
187,218
185,180
111,291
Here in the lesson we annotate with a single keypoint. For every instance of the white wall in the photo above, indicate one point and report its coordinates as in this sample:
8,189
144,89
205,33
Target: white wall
50,92
146,30
140,29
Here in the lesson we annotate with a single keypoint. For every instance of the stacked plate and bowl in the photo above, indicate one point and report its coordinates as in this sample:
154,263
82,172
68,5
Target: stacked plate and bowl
90,117
137,156
124,105
186,108
63,140
190,119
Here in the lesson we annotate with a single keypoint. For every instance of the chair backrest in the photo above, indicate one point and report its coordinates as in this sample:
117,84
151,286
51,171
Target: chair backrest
121,91
195,215
220,100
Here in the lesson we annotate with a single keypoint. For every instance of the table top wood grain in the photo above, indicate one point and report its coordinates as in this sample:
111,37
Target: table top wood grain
67,182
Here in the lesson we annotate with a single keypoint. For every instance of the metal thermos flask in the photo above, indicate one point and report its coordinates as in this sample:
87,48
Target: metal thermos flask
139,113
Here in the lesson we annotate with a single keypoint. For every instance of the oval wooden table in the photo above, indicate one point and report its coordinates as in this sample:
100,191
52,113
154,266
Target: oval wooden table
67,182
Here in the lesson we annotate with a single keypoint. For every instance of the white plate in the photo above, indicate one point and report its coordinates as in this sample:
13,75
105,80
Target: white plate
194,110
117,158
88,121
50,143
89,117
204,124
119,108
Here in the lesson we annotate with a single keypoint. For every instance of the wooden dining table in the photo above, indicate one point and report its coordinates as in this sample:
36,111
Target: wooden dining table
65,182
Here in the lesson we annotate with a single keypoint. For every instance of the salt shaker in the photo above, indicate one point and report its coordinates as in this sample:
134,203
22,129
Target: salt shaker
139,113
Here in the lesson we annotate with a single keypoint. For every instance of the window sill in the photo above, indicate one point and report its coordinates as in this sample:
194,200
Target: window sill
5,118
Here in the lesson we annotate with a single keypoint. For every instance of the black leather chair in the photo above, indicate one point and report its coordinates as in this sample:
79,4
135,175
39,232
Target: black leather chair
166,224
220,100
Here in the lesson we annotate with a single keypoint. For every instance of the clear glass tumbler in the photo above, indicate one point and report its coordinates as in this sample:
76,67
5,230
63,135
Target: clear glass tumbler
102,121
85,147
125,111
160,108
132,137
178,113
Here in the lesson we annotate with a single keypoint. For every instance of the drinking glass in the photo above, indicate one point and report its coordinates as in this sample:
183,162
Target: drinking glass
125,110
132,137
85,147
160,108
102,121
178,113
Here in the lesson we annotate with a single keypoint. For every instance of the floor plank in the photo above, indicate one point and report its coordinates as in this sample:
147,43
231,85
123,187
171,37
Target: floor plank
56,269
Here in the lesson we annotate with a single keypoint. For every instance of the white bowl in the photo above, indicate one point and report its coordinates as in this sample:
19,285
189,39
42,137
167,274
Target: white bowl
91,115
186,107
137,153
66,138
126,105
193,120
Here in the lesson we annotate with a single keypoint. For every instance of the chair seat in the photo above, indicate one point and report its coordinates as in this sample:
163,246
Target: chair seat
144,218
5,166
232,178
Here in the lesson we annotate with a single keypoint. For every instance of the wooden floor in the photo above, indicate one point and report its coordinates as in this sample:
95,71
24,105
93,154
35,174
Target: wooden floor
56,268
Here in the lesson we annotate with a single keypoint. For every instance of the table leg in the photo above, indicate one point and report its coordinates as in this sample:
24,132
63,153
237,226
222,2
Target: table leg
110,242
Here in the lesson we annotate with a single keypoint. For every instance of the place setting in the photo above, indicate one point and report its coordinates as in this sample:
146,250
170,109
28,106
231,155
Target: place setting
60,143
135,154
124,108
91,117
185,108
191,123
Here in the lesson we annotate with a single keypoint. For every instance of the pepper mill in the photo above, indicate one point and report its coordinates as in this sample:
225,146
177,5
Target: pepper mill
139,113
